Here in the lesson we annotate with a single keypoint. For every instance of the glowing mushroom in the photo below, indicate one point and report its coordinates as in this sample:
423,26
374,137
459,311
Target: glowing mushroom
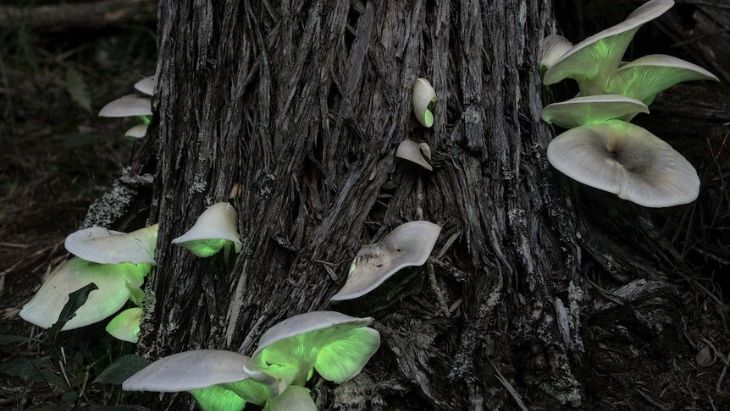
591,109
127,106
337,346
409,244
592,61
214,229
424,101
126,325
626,160
415,153
648,76
103,246
146,85
138,131
294,398
112,280
553,47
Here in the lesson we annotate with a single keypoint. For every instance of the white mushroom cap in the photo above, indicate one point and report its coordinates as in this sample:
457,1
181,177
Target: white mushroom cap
146,85
126,325
554,46
112,293
423,96
591,109
648,76
626,160
594,58
215,226
103,246
189,370
413,152
409,244
127,106
138,131
294,398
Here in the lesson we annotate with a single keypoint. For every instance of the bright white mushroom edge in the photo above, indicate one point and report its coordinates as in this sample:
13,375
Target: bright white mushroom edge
214,229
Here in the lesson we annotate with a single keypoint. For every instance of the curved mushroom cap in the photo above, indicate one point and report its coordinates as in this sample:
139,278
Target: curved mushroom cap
218,398
336,345
127,106
103,246
138,131
146,85
413,152
626,160
189,370
594,58
408,245
126,325
591,109
648,76
424,97
215,227
294,398
112,293
554,46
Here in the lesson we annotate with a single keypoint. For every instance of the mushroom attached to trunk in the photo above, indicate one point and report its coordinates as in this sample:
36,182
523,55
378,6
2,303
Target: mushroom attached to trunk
409,244
215,228
424,101
127,106
146,85
592,109
337,346
112,280
626,160
126,325
138,131
104,246
415,153
554,46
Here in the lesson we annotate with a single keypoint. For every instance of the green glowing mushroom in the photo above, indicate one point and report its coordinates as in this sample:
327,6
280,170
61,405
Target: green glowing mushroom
415,153
294,398
424,101
592,109
337,346
409,244
626,160
146,85
215,228
592,61
103,246
113,282
127,106
648,76
216,378
553,47
126,325
138,131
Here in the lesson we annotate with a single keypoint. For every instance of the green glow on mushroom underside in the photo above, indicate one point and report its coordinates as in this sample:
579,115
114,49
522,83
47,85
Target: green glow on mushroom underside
428,118
645,82
146,120
216,398
126,325
206,248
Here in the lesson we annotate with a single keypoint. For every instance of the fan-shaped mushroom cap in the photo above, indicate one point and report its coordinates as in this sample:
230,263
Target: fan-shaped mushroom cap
138,131
554,46
189,370
413,152
423,98
294,398
103,246
146,85
217,398
112,293
591,61
648,76
215,227
336,345
626,160
408,245
126,325
127,106
591,109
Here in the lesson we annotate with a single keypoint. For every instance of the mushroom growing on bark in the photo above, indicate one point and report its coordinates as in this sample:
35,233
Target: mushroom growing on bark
104,246
424,100
592,109
553,47
415,153
138,131
127,106
215,228
409,244
626,160
126,325
146,85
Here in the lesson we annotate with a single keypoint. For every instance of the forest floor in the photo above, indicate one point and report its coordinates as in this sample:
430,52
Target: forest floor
57,157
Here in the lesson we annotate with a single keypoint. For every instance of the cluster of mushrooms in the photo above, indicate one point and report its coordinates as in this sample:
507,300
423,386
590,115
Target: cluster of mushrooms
602,148
334,345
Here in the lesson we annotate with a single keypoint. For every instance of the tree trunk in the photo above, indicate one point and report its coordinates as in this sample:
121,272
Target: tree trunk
302,104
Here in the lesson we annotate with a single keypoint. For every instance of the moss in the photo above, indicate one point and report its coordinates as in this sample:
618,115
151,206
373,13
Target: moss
110,207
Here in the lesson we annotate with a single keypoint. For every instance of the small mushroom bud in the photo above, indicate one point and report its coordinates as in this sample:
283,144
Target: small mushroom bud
414,152
215,228
424,101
